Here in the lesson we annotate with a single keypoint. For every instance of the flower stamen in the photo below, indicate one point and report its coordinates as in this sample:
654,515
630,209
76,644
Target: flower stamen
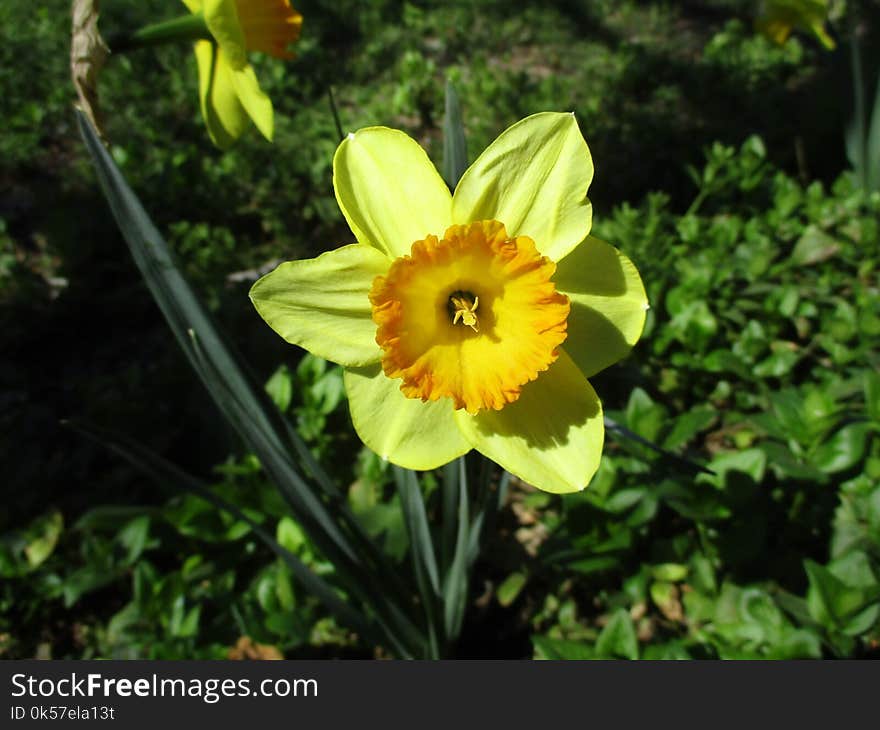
463,306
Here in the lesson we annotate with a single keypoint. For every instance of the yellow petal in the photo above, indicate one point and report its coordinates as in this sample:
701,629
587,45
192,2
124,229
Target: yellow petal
221,17
404,431
322,305
224,115
534,179
255,102
608,304
389,191
194,6
551,437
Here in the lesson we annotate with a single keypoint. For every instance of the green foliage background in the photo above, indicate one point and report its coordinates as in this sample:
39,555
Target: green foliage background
720,170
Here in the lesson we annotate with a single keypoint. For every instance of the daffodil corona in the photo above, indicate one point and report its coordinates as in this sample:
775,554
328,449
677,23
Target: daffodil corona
229,92
470,320
437,342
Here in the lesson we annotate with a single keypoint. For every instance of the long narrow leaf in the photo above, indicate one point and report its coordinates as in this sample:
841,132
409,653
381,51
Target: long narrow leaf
449,512
856,130
368,575
454,142
422,550
484,520
872,144
416,519
455,586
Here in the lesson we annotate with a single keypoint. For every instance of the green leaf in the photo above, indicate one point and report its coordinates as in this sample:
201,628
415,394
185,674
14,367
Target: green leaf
785,464
666,597
797,644
670,651
290,535
595,564
839,606
873,144
167,474
618,639
813,247
624,499
422,549
42,537
280,388
756,606
549,648
855,569
777,364
417,525
644,416
87,579
673,572
189,626
183,623
751,462
843,450
284,588
454,143
134,537
510,588
688,425
863,621
455,583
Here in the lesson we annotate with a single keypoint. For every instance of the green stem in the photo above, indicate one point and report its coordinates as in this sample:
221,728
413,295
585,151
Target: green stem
185,29
335,112
697,202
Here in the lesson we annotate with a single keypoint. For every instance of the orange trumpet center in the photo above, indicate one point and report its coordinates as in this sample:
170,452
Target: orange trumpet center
473,316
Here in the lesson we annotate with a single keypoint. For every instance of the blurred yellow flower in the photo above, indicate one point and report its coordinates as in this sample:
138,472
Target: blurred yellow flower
777,18
473,319
229,92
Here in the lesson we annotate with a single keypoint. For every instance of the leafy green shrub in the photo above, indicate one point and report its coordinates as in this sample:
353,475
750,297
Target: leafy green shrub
761,359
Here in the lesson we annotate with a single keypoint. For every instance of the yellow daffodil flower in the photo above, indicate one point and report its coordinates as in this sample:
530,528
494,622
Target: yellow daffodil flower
777,18
229,92
471,320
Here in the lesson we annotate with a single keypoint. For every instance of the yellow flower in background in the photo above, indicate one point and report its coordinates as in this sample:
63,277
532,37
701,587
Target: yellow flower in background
229,92
777,18
469,320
